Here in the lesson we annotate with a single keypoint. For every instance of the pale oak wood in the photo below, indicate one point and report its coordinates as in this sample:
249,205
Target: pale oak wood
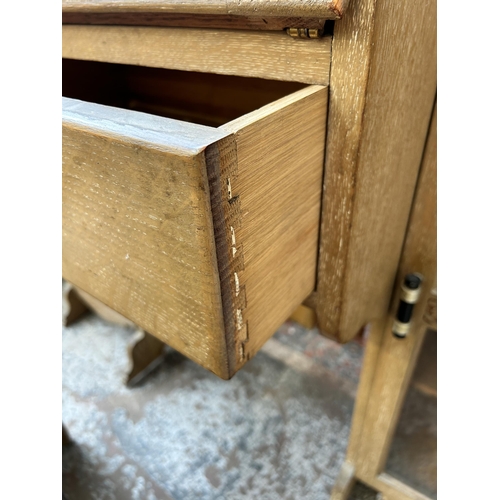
425,375
324,9
102,310
212,21
344,482
392,489
74,307
267,55
305,316
389,362
218,293
137,231
382,85
279,237
370,363
397,359
145,353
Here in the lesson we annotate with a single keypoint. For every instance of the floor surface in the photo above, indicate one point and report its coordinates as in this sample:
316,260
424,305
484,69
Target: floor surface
277,430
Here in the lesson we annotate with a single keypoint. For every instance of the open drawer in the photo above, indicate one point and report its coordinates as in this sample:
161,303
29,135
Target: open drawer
204,236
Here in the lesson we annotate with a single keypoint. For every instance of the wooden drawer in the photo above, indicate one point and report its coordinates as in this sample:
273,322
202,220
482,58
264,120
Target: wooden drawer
205,236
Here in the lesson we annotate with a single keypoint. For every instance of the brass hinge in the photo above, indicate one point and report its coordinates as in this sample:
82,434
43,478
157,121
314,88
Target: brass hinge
408,297
305,32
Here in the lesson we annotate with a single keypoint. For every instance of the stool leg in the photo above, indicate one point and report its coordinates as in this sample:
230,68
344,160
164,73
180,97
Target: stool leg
145,353
74,305
344,483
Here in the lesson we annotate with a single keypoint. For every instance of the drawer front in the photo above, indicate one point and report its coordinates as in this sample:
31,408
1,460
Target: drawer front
205,237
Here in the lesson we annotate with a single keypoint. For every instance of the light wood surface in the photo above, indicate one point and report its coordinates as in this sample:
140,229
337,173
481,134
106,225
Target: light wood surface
397,359
280,206
135,186
389,361
393,489
325,9
137,229
212,21
344,482
425,376
305,316
102,310
270,55
382,85
73,306
145,353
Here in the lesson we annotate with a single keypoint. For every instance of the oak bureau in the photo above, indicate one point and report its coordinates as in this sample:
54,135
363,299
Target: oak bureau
226,161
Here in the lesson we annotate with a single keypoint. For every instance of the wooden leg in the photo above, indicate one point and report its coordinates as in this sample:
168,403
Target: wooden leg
305,316
395,366
344,483
370,359
397,357
74,306
145,353
389,361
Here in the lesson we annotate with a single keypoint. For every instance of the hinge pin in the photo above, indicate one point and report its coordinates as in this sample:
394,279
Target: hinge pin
304,32
409,295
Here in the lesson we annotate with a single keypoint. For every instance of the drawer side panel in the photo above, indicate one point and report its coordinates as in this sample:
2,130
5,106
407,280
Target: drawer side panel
277,188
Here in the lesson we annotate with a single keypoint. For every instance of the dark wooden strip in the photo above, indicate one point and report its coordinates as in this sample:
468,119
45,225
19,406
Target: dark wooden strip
191,20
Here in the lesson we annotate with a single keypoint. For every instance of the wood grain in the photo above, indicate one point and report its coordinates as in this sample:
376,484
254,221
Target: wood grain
135,186
382,85
137,226
389,362
397,357
145,353
278,184
393,489
425,375
212,21
268,55
305,316
102,310
325,9
344,483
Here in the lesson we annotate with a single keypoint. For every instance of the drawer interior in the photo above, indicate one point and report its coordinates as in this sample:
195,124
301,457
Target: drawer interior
206,99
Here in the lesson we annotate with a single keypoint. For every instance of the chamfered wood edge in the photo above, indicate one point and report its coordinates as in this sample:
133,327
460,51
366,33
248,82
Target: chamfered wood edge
212,21
325,9
224,216
369,161
173,136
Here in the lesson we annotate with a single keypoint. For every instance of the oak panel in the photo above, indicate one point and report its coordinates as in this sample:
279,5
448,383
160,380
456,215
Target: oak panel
137,226
270,55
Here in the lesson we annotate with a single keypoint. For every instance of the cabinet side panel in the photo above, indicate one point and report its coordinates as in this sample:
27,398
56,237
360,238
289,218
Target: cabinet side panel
383,81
